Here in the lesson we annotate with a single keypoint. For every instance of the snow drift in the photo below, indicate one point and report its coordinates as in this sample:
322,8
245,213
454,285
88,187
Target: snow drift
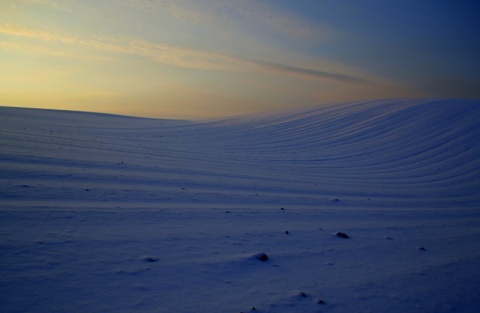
105,213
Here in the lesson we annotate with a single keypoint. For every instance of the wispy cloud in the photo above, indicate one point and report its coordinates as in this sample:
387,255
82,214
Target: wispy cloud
35,49
22,31
49,3
213,61
307,73
280,21
231,16
157,52
176,56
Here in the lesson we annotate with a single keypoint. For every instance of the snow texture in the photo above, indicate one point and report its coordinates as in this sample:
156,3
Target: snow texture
105,213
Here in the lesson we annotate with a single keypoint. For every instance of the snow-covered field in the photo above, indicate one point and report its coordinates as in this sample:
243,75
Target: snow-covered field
104,213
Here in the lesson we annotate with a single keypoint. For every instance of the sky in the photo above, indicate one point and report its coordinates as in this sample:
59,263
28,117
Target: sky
196,59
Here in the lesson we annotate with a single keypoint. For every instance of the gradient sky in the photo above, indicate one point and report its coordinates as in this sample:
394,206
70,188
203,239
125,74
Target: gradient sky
212,58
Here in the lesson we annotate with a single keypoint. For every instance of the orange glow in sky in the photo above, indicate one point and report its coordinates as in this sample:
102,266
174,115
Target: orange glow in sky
212,58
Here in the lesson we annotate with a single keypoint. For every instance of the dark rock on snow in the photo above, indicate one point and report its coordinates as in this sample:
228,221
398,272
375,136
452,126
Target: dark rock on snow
261,256
150,259
342,235
302,294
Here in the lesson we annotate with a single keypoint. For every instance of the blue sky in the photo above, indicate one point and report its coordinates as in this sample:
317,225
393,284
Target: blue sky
212,58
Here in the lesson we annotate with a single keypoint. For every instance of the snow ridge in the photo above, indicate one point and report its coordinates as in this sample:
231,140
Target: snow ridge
405,152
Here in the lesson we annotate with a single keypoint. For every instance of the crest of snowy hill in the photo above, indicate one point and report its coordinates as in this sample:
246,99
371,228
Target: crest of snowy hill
376,153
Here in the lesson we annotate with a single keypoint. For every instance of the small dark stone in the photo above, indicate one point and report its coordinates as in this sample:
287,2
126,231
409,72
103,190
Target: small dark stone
150,259
302,294
286,232
342,235
261,256
87,189
227,211
336,200
320,301
282,209
422,249
253,308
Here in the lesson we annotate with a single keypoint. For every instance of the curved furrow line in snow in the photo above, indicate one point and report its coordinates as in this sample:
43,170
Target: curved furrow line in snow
412,144
402,149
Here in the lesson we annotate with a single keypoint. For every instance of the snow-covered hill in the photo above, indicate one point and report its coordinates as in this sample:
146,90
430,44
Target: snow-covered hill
105,213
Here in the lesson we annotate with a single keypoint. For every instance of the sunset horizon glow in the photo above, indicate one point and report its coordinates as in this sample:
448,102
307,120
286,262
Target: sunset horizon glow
211,58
